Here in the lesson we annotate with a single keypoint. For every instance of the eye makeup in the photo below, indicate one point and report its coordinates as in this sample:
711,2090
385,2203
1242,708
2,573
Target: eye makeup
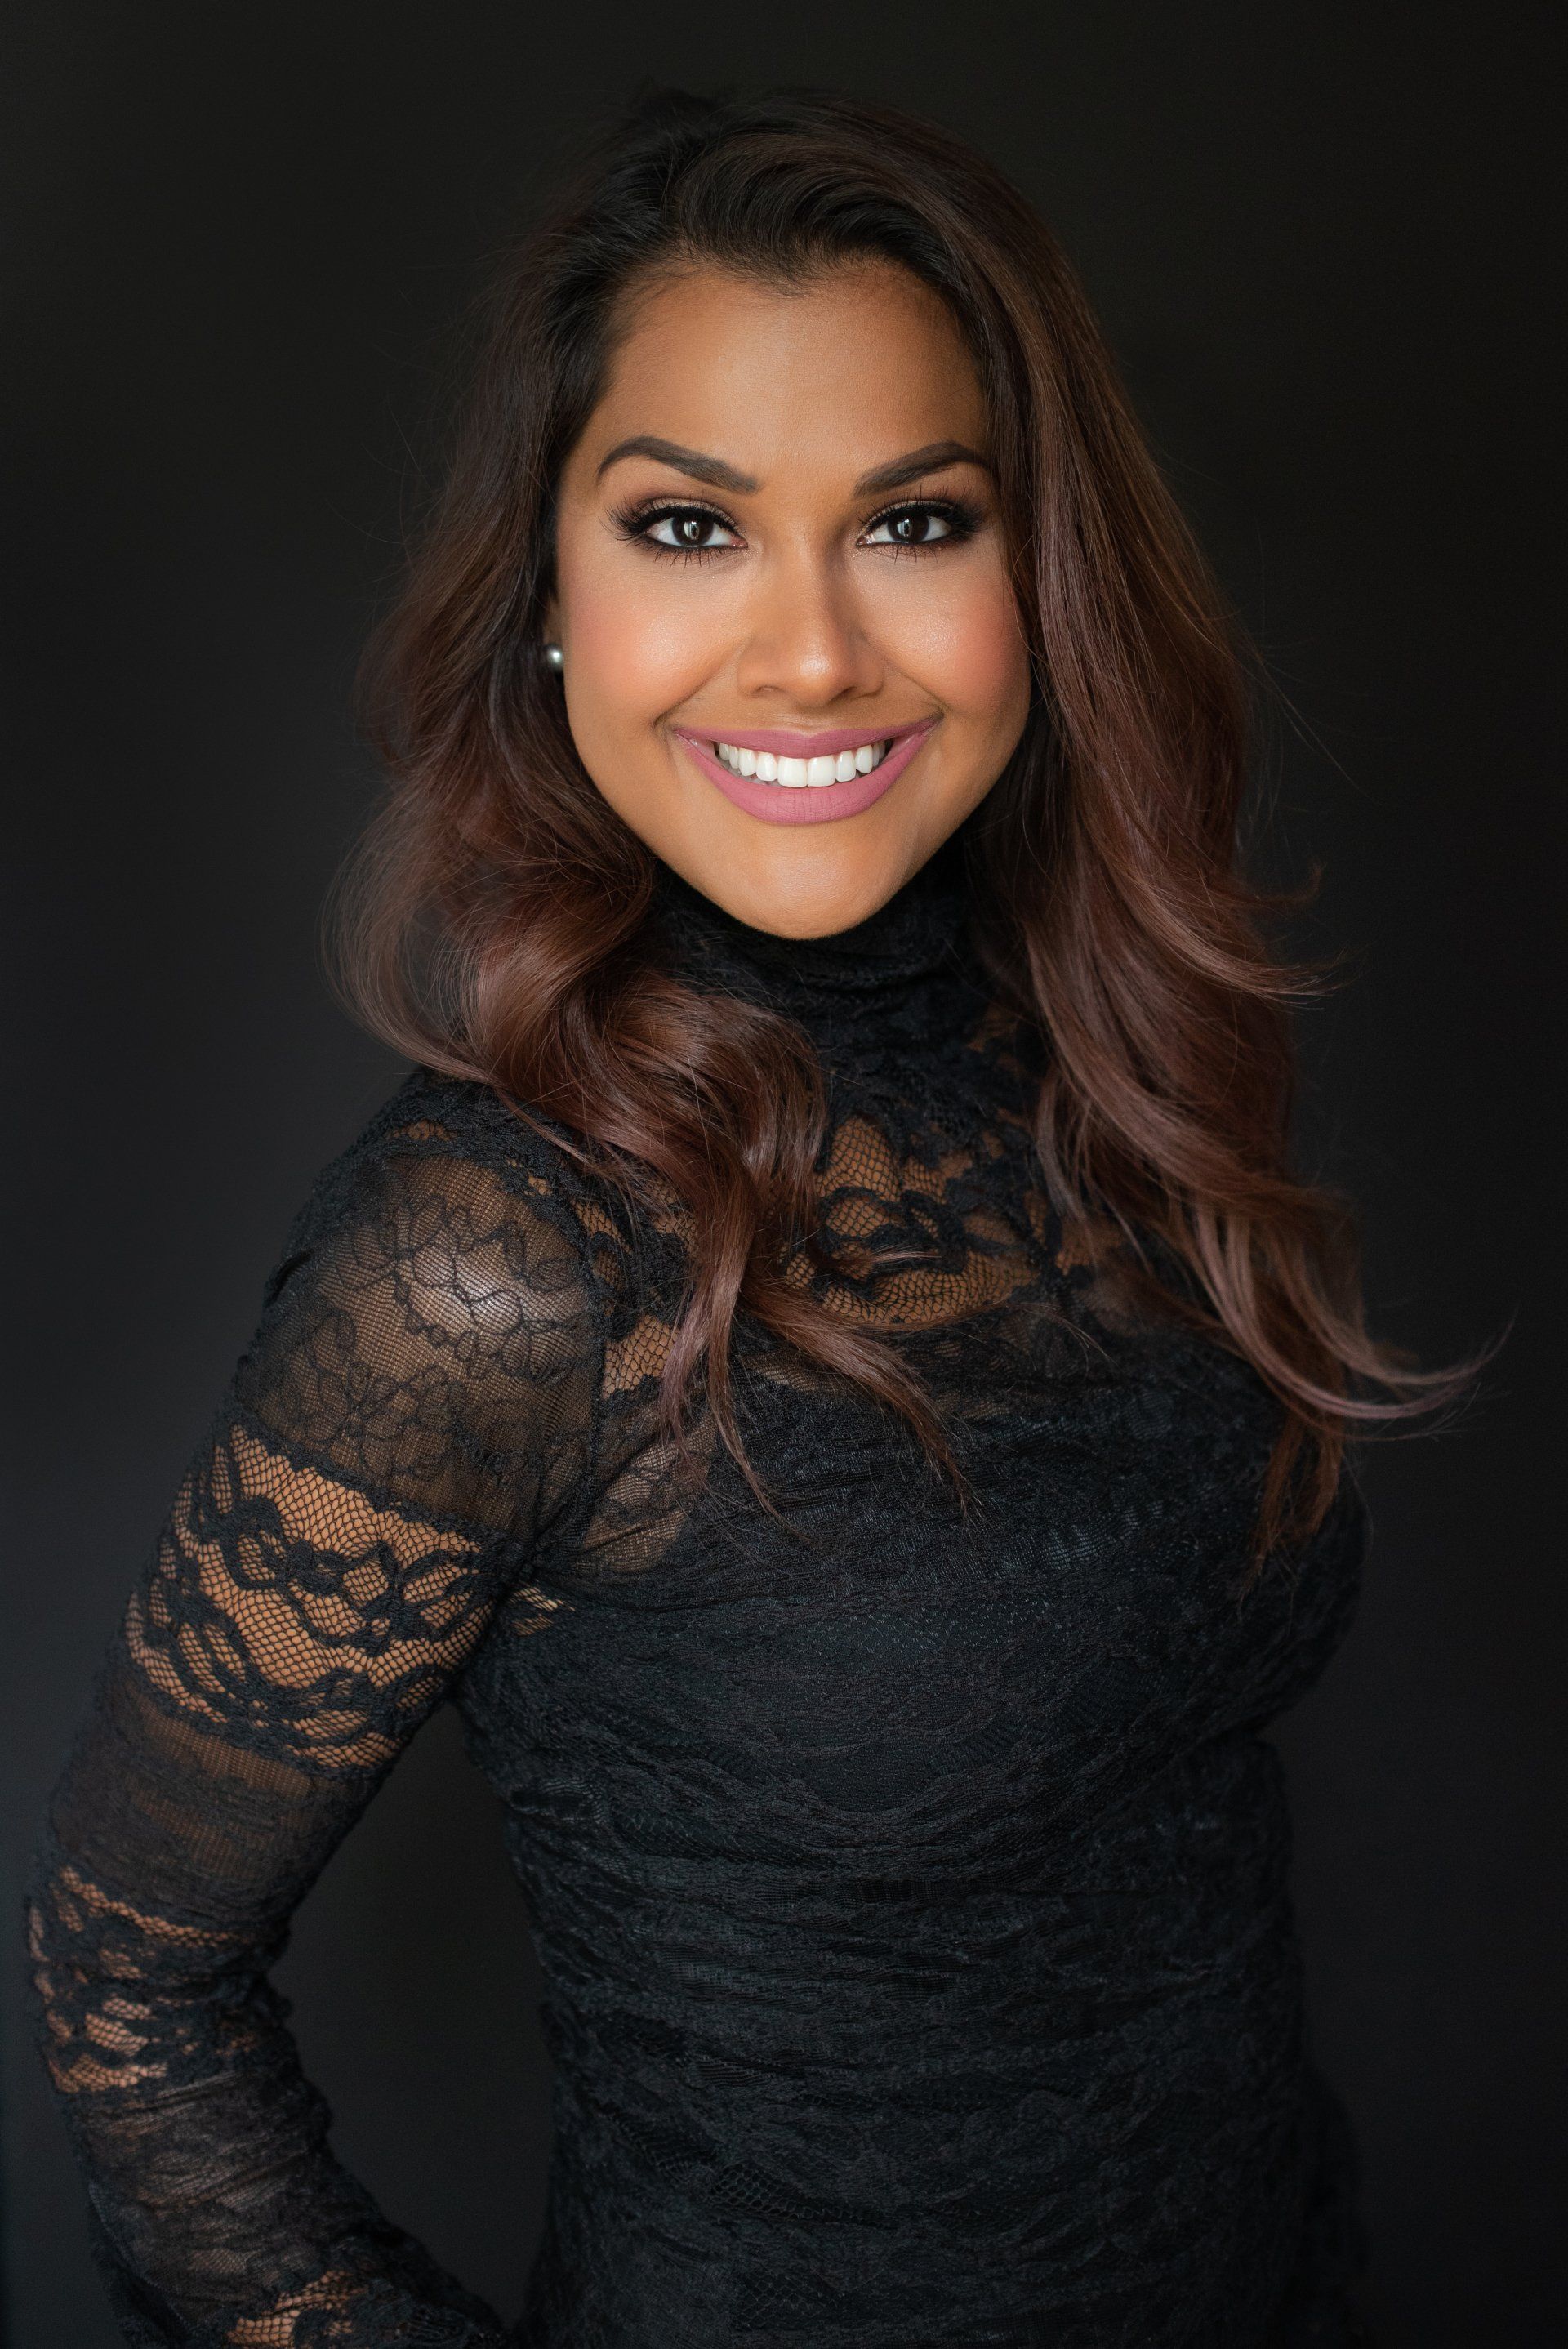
957,521
635,521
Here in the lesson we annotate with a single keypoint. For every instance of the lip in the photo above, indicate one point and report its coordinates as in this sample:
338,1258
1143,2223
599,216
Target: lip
811,803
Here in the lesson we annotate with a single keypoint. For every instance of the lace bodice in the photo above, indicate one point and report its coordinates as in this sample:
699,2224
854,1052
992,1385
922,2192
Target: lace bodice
908,1878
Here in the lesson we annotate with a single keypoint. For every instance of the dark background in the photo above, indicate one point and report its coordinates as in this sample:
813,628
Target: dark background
1317,234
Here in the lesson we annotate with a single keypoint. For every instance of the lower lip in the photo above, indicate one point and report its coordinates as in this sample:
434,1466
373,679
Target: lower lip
808,803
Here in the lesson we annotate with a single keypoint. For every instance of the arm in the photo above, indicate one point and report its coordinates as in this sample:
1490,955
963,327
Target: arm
411,1411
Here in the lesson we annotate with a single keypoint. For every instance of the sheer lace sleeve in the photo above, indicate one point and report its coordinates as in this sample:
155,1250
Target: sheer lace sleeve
411,1418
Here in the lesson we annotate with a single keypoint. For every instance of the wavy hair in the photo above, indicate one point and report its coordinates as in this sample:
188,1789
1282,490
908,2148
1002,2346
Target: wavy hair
494,925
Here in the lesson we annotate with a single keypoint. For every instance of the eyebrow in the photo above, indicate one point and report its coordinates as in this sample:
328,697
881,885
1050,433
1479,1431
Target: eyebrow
929,459
717,475
691,462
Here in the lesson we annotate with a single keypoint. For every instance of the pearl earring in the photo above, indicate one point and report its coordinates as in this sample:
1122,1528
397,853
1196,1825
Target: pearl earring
554,658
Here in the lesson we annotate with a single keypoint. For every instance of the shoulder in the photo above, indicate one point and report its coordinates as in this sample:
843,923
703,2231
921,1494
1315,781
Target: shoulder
446,1186
434,1311
450,1227
438,1139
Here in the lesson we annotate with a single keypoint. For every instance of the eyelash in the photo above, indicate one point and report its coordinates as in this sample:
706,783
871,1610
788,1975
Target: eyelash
635,521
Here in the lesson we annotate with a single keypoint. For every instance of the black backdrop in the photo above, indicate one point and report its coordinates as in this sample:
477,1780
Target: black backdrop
1316,234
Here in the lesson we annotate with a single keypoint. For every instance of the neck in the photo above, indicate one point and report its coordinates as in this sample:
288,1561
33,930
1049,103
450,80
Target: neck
894,1006
915,936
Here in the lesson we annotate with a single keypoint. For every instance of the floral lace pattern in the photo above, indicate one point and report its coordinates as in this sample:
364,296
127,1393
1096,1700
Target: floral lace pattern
908,1877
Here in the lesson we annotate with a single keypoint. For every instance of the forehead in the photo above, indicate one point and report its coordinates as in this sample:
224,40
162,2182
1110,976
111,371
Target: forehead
831,377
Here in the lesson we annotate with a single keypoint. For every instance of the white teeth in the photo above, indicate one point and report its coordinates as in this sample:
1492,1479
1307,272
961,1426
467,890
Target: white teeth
796,773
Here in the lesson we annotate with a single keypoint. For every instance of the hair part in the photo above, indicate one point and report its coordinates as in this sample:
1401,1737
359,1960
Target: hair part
494,925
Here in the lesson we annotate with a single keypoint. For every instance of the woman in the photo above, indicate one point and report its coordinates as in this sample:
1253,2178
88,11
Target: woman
824,1360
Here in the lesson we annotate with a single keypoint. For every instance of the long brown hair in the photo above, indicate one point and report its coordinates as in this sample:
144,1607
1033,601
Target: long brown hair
495,924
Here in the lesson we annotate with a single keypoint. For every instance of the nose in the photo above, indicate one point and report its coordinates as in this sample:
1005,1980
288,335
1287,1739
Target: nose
805,642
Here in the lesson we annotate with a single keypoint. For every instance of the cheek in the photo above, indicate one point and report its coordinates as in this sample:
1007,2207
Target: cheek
961,641
637,650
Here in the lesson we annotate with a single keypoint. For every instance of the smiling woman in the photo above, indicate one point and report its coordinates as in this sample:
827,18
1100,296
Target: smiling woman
824,1359
840,592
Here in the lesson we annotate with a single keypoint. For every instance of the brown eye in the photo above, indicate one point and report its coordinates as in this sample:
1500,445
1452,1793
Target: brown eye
922,525
690,530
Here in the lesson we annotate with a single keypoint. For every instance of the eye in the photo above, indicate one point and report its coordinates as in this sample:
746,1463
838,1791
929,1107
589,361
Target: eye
685,530
919,525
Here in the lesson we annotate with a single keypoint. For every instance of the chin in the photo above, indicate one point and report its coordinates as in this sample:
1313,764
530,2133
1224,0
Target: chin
797,889
809,906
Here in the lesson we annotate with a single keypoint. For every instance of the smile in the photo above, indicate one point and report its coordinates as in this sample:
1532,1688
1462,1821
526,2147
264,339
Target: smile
810,774
786,777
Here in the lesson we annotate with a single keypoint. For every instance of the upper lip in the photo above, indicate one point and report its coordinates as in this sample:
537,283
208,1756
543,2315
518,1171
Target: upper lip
821,743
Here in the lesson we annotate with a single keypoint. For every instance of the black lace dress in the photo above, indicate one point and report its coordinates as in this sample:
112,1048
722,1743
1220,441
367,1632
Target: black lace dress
910,1887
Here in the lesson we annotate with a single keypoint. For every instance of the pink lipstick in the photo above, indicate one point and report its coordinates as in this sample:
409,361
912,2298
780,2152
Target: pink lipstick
774,801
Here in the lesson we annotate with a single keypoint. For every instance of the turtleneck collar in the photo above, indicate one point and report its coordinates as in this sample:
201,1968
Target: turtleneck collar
916,938
892,1006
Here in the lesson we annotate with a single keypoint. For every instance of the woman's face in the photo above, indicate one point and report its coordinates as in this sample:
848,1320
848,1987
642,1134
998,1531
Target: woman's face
793,660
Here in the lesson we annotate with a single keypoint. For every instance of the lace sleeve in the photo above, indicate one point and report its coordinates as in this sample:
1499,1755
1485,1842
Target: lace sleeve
410,1418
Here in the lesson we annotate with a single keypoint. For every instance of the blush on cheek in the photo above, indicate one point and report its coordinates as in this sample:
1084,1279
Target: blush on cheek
633,654
969,653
